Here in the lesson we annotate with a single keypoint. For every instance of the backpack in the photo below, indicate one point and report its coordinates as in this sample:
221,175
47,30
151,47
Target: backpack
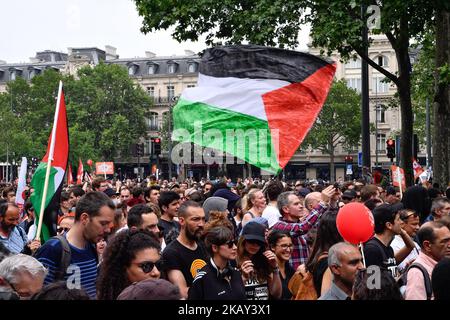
66,257
301,284
426,279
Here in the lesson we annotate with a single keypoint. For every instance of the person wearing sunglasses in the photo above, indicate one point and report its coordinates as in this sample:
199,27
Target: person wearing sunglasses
258,265
280,243
130,256
218,280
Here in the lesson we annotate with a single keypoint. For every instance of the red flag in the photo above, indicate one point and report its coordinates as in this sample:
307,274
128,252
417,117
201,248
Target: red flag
418,170
69,175
398,176
80,172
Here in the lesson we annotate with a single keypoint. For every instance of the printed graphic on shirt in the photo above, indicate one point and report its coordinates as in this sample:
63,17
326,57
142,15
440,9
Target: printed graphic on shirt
196,265
255,290
391,265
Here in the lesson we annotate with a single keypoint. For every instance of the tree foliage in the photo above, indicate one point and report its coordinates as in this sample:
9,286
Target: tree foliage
105,110
339,122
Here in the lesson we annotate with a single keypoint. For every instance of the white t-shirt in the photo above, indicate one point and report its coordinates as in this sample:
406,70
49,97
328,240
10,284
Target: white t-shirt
398,244
272,215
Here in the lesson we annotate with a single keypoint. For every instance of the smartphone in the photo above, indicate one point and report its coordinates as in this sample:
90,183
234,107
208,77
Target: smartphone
336,185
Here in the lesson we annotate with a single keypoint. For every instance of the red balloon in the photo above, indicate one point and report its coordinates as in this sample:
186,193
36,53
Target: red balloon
355,223
89,162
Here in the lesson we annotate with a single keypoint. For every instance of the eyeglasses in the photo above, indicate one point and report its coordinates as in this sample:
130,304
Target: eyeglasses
147,266
231,243
61,229
285,246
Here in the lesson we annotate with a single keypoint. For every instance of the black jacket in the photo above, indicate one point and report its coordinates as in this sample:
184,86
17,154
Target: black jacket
209,284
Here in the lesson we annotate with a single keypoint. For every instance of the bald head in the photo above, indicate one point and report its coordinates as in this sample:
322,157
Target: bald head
434,239
312,199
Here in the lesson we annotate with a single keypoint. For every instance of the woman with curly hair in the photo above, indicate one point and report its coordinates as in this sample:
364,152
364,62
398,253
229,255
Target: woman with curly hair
131,256
258,265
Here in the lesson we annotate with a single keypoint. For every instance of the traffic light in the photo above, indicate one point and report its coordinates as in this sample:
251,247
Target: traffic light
157,146
390,148
348,159
140,150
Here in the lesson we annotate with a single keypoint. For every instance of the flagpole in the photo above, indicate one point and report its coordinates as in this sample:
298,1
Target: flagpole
49,163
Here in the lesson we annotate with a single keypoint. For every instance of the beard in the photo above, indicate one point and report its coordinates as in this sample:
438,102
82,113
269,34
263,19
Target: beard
194,235
6,227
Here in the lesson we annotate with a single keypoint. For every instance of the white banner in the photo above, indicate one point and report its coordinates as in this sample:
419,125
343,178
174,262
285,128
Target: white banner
20,201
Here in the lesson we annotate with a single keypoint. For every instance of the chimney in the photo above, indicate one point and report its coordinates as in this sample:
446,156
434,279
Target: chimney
149,54
111,52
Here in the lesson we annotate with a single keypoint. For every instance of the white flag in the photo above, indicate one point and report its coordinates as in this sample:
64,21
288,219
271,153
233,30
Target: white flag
20,201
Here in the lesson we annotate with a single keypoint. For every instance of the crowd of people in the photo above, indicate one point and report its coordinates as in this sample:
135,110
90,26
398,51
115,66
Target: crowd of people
217,240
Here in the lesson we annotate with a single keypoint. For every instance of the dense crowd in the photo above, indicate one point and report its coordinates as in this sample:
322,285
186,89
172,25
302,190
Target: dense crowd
248,239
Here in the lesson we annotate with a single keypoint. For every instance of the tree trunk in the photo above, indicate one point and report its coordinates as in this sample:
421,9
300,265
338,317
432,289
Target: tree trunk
404,91
441,106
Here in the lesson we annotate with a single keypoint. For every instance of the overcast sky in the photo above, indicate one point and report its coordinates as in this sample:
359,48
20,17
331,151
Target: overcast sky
30,26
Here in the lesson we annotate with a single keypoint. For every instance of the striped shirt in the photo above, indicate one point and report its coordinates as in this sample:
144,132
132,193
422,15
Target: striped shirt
82,271
16,240
297,230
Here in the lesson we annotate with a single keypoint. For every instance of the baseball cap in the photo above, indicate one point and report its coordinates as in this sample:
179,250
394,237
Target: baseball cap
151,289
349,194
110,192
214,204
254,231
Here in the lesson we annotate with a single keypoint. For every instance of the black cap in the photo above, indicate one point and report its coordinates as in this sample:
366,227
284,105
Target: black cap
110,192
254,231
350,194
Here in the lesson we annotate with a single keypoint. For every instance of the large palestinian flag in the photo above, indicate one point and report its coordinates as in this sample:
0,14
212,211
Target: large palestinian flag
60,152
253,102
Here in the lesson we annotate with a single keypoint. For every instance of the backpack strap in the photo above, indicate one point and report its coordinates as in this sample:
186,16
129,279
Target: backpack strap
426,278
66,257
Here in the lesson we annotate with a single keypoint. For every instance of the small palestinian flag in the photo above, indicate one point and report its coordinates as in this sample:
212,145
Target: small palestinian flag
253,102
59,152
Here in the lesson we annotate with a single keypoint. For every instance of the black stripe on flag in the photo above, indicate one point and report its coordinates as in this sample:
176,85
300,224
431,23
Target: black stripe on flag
259,62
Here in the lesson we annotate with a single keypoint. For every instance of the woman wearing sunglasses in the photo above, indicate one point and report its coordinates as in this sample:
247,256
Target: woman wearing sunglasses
130,256
218,280
259,268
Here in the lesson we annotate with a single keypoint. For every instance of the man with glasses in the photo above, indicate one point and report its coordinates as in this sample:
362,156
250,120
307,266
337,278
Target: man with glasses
21,276
411,225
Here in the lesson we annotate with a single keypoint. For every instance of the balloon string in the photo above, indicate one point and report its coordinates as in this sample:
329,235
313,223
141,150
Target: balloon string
362,253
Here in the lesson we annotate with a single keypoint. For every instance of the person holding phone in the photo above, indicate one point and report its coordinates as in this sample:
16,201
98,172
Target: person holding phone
258,265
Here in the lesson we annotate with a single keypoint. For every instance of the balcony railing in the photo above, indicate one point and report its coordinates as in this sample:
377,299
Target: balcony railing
165,100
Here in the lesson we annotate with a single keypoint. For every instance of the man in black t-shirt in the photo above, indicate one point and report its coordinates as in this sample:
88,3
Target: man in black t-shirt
169,203
377,251
186,255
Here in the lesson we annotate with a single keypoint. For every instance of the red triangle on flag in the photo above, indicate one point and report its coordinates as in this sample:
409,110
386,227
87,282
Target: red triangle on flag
292,110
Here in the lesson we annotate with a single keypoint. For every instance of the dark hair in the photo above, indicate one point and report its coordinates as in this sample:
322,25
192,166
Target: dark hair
118,255
218,236
368,191
327,236
276,235
166,198
60,291
97,182
147,191
406,213
388,290
136,192
382,215
64,196
91,203
134,218
426,232
196,196
182,211
7,190
372,203
77,191
274,189
260,262
440,280
28,205
4,207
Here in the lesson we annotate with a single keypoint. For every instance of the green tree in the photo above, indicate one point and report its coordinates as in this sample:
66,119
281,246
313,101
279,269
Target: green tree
339,122
335,25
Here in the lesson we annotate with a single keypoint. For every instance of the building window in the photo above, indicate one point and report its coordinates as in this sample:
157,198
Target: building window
131,70
381,114
192,67
354,83
153,121
191,85
381,143
383,61
379,86
12,75
152,68
171,68
151,91
170,92
353,64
